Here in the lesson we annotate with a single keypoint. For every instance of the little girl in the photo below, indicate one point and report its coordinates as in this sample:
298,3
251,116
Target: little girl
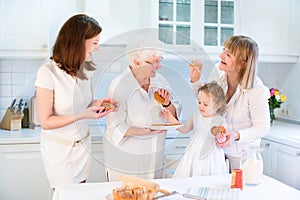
202,156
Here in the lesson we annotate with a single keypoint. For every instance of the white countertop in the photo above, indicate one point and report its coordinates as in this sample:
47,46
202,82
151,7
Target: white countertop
269,188
31,136
282,132
285,133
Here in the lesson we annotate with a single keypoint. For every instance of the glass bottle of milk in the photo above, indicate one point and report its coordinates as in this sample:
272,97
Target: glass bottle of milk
252,165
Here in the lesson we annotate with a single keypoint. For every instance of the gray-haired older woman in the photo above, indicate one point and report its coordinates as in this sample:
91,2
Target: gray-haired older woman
130,147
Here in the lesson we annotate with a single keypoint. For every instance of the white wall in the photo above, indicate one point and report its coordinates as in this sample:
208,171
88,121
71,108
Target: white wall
285,77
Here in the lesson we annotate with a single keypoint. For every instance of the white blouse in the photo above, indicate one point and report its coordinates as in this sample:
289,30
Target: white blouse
142,155
247,112
71,96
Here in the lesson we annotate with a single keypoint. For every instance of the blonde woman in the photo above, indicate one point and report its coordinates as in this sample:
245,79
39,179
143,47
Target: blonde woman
247,116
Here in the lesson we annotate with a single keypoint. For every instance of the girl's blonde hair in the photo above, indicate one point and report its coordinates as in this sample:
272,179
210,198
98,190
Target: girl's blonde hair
245,49
217,94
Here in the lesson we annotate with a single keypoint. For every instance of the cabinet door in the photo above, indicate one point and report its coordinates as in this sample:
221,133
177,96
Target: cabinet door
267,22
294,27
286,163
22,173
267,156
23,27
174,150
97,165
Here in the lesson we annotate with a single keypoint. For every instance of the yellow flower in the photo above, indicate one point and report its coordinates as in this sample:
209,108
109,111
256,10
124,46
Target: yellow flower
283,98
276,93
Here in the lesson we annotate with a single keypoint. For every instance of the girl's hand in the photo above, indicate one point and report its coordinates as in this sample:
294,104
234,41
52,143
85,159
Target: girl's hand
221,137
195,70
231,137
166,114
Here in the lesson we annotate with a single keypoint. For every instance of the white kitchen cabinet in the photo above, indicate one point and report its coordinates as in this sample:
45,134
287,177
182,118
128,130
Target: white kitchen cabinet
208,23
286,164
97,165
276,31
294,27
268,23
267,156
281,162
24,28
22,174
174,150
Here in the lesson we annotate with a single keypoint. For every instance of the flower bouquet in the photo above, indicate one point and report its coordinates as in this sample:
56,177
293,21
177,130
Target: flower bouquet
275,101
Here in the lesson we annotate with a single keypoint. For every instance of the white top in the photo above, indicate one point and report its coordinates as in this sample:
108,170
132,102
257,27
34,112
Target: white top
63,163
135,154
247,112
71,95
269,188
202,157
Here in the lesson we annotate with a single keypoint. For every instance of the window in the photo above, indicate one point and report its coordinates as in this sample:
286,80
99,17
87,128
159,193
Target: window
175,21
218,21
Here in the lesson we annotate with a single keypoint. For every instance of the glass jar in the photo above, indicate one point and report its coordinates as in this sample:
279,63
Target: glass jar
252,165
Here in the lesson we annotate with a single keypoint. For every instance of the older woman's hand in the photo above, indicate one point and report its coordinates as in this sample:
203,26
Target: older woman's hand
195,70
165,94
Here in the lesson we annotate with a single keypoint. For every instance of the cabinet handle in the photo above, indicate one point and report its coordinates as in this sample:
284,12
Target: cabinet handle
267,145
180,147
298,153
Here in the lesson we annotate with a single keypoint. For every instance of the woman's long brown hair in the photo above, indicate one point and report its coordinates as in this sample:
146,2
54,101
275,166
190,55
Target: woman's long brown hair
69,48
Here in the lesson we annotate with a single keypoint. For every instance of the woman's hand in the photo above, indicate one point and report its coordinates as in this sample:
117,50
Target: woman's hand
99,102
97,111
195,70
134,131
165,94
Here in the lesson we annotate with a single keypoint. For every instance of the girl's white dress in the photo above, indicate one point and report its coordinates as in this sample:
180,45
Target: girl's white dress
202,156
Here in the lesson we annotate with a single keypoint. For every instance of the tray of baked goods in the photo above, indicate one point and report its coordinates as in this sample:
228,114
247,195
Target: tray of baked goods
133,188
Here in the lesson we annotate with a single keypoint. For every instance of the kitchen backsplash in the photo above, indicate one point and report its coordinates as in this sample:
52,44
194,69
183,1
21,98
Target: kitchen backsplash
17,78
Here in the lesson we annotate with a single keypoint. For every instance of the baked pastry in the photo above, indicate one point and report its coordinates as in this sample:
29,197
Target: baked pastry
134,188
217,129
133,193
107,106
219,132
158,98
